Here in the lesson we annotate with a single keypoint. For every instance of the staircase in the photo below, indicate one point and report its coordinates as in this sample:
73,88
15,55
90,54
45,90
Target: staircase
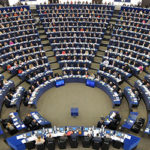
104,43
46,45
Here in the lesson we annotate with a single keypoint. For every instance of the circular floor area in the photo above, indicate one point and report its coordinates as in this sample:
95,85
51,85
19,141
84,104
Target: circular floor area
55,105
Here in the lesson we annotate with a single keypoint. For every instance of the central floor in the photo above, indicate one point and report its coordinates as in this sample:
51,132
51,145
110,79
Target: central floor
93,103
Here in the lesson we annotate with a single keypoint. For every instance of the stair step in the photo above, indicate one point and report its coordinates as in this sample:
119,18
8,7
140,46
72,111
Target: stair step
41,32
47,48
91,71
16,80
105,42
2,70
113,22
43,36
97,59
50,53
45,42
100,53
116,15
50,56
54,65
6,75
52,59
59,71
103,48
107,37
95,65
25,85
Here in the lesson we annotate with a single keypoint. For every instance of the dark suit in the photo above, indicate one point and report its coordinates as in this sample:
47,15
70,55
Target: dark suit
7,102
34,125
27,120
99,124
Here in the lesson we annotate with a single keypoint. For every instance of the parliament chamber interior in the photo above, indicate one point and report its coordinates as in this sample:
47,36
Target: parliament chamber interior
74,75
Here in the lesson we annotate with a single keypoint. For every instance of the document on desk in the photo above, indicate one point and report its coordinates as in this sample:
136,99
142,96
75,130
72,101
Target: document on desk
23,126
39,121
115,94
131,121
36,117
20,137
15,123
117,138
32,138
127,136
23,141
15,119
17,126
147,130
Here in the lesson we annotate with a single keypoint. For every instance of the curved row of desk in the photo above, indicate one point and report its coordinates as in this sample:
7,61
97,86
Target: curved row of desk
18,142
3,92
145,93
17,97
122,63
71,79
131,97
20,125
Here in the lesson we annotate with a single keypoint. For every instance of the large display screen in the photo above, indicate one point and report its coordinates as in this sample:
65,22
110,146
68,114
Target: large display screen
90,83
60,83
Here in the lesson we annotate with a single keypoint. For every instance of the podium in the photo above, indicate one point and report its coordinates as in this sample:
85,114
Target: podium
74,112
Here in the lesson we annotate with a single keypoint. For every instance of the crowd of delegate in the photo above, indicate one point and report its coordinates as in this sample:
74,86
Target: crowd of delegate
75,33
21,49
128,50
5,87
36,86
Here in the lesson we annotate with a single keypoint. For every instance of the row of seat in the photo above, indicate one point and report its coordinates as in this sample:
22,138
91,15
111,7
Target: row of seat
32,121
5,87
143,88
22,38
122,52
75,6
86,23
14,97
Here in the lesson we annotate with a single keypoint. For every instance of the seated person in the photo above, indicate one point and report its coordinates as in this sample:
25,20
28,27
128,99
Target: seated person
39,140
7,102
100,123
120,93
137,95
117,117
1,84
36,84
112,125
5,121
11,129
26,100
28,119
10,95
32,88
34,125
9,126
148,85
